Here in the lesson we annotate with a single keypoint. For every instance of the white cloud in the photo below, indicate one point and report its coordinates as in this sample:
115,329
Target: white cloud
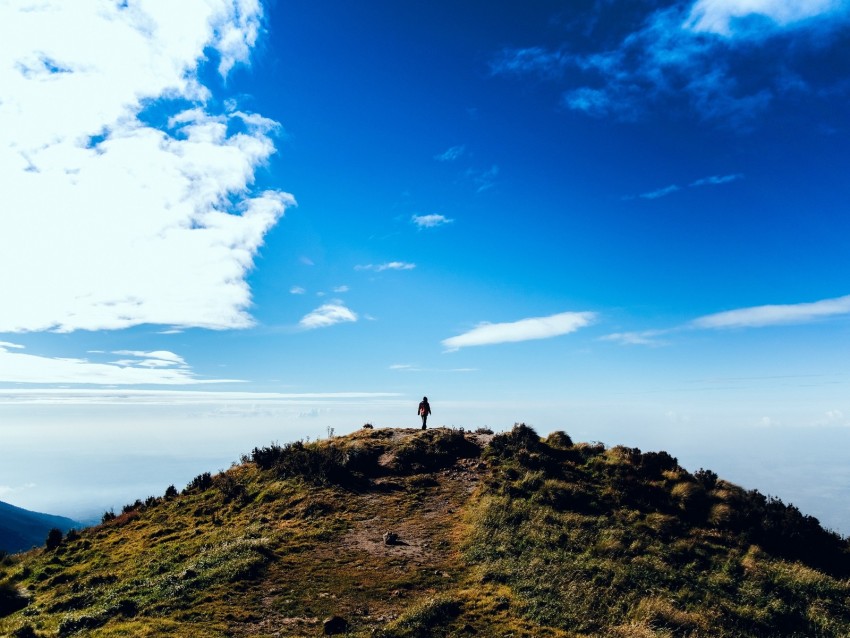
772,315
392,265
661,192
109,220
721,59
522,330
327,315
430,221
713,180
341,289
716,180
297,290
483,179
644,338
407,367
159,367
720,16
451,154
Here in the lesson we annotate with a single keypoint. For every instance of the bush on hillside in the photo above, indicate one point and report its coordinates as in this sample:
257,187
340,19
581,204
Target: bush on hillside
319,464
54,539
654,464
423,620
200,483
559,439
434,449
230,488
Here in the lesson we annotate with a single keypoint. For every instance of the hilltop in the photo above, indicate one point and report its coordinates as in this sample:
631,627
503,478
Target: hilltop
22,529
400,533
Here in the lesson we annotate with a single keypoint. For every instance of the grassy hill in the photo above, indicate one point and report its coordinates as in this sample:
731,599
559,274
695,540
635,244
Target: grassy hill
22,529
505,535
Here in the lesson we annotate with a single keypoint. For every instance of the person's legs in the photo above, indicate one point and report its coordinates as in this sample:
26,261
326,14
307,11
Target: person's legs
424,420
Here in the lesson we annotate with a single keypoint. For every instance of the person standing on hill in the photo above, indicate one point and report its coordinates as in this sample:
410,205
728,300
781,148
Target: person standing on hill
424,410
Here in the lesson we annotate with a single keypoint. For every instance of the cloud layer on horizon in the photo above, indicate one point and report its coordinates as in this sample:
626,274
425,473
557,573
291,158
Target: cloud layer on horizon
129,196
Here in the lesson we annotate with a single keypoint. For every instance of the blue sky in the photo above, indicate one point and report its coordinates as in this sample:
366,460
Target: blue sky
229,222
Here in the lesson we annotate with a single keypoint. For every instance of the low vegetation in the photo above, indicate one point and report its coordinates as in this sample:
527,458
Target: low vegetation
505,534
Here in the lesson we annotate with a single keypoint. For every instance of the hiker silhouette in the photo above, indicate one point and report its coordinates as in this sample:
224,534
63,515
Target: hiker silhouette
424,410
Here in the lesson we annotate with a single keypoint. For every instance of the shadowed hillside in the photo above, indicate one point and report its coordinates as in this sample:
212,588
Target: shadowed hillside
409,533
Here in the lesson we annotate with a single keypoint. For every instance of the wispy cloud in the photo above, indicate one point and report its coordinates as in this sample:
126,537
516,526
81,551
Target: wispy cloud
731,18
714,180
691,56
151,222
407,367
483,179
159,367
537,60
451,154
341,289
327,315
749,317
642,338
297,290
523,330
392,265
773,315
661,192
154,359
430,221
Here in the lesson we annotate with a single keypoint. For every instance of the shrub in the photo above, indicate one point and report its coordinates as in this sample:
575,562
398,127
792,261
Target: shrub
363,459
54,539
170,492
706,478
434,449
132,507
72,535
559,439
654,464
423,620
200,483
688,495
319,464
521,437
231,489
109,515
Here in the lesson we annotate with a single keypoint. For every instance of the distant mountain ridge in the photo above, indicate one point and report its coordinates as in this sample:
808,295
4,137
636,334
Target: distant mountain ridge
22,529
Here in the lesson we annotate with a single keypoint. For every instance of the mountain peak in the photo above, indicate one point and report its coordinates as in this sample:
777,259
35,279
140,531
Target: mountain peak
442,532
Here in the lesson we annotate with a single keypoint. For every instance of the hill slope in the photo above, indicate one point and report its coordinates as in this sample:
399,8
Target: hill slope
21,529
494,536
